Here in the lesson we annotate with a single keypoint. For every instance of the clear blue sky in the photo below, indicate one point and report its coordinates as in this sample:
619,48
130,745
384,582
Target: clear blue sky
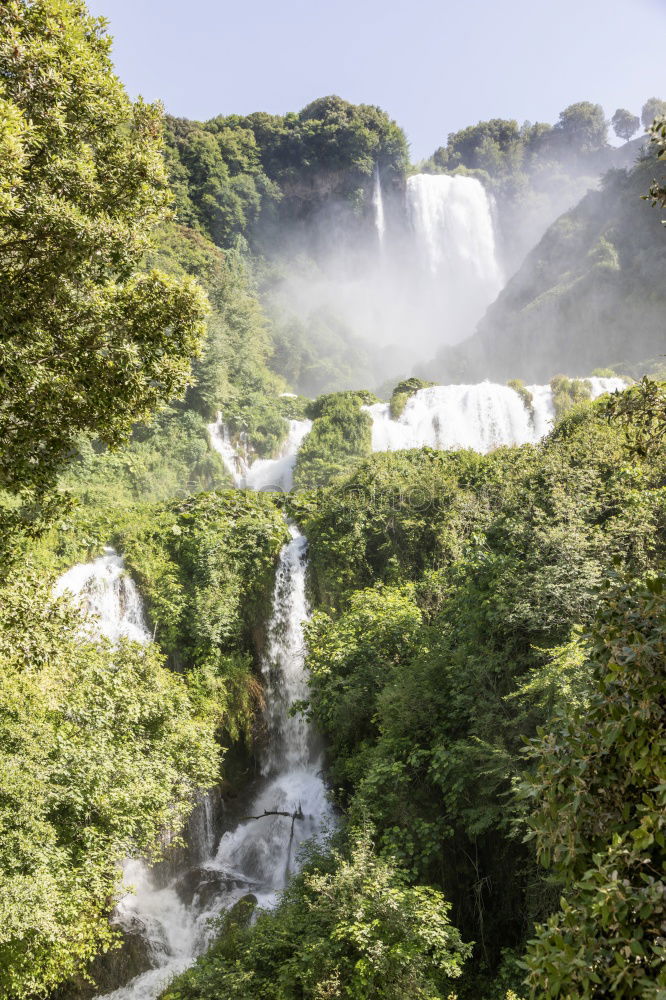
434,65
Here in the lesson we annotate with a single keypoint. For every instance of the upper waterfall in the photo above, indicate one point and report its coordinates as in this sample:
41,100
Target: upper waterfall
378,206
455,249
452,219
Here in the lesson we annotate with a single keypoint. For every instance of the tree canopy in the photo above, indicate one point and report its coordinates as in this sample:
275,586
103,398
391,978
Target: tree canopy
625,124
233,172
653,108
89,342
599,799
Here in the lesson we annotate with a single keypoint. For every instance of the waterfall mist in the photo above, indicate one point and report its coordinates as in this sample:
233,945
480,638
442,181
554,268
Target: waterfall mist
418,274
361,296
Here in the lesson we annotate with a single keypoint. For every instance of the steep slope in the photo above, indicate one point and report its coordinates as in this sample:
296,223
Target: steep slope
589,295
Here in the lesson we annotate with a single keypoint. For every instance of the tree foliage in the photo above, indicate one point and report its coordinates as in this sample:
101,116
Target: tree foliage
599,801
653,108
583,127
205,567
102,749
657,130
453,589
88,342
625,124
235,175
341,436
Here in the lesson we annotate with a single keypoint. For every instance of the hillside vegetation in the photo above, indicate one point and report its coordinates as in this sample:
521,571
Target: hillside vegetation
588,296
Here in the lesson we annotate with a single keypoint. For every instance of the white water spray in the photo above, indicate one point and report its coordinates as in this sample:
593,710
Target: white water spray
452,220
378,208
262,851
457,274
481,417
277,474
263,474
108,596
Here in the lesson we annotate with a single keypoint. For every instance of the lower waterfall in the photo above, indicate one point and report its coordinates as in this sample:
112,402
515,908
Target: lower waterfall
169,908
482,416
269,474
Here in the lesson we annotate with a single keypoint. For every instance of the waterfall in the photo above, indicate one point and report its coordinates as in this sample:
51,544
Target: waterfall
169,912
277,474
378,207
234,463
264,474
481,417
108,596
457,271
261,852
453,223
172,917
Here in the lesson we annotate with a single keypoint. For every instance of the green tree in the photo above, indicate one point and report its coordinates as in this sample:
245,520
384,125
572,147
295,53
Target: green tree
466,148
88,341
653,108
599,812
625,124
101,749
341,436
657,192
583,127
350,926
351,659
641,410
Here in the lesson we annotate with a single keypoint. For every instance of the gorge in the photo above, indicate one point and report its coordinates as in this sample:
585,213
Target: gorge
286,805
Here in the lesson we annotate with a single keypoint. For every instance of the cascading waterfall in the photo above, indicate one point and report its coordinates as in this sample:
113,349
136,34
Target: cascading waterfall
235,464
263,474
453,222
171,914
277,474
113,607
262,851
108,596
455,270
378,208
481,417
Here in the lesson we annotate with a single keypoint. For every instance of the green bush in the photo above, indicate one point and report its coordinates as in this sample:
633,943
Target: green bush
403,392
341,436
598,808
101,750
519,386
349,925
205,568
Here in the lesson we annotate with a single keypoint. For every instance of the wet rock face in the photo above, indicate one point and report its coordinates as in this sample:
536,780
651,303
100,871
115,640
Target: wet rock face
206,885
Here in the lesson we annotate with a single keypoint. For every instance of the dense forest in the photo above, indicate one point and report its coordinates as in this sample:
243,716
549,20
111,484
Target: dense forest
196,396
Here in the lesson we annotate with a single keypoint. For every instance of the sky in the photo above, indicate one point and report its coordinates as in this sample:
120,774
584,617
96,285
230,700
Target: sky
434,65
